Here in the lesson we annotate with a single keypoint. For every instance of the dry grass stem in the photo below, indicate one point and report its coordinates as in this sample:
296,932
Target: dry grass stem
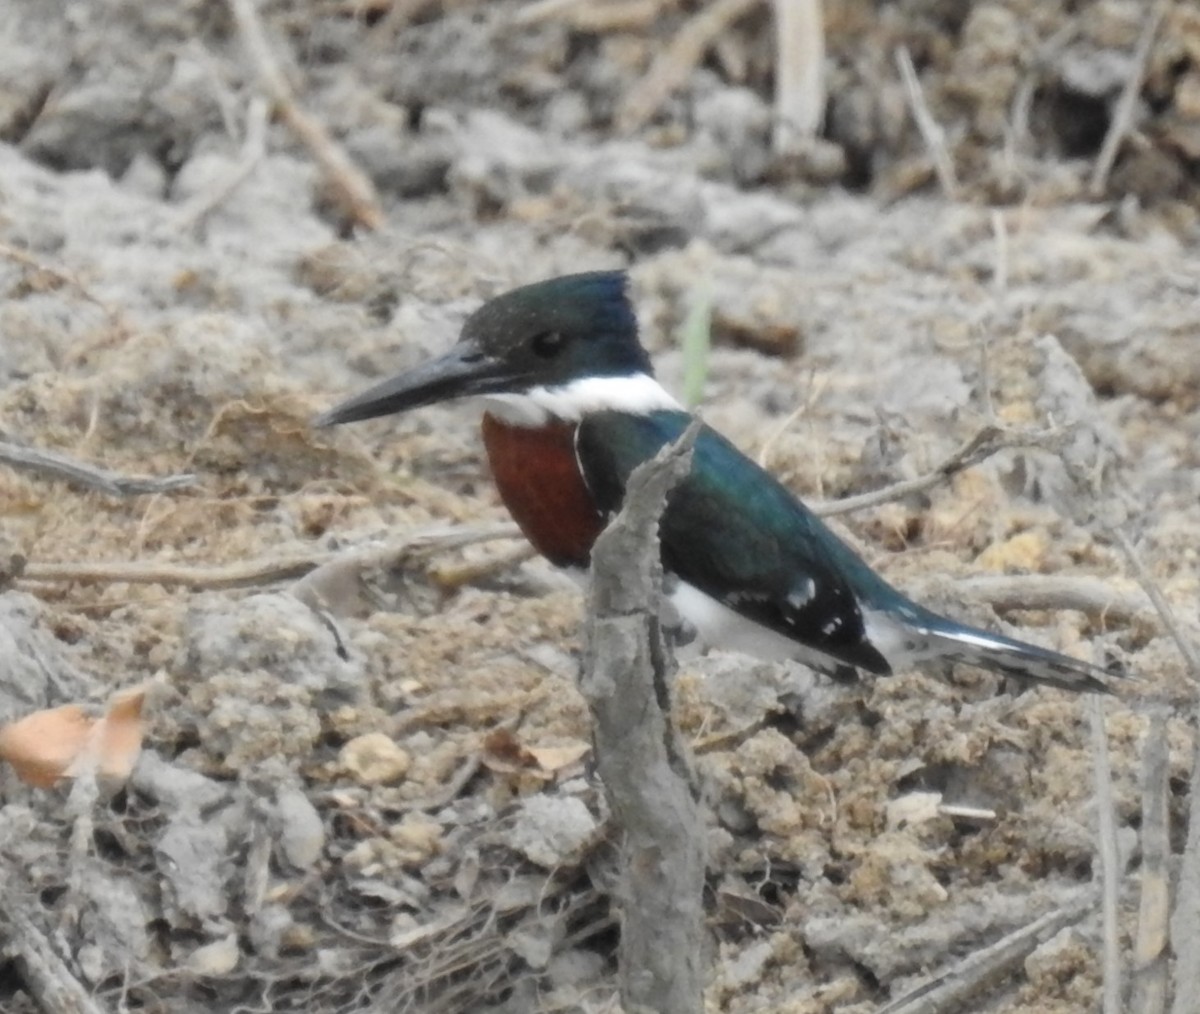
1053,592
79,473
1188,650
268,570
1109,854
1122,114
931,132
681,56
254,150
958,987
799,73
585,16
352,189
985,443
40,969
1150,957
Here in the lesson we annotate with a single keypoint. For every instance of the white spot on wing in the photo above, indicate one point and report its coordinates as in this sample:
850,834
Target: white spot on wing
637,394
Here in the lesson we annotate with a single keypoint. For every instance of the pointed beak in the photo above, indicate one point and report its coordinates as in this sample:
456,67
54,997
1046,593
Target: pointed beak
463,371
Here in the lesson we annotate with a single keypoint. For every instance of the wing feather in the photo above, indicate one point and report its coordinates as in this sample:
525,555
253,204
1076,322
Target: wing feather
732,530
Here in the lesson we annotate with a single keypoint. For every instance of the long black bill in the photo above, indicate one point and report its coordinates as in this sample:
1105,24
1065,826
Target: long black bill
462,371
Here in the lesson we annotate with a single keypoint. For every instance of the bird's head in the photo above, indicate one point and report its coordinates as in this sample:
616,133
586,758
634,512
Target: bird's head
538,338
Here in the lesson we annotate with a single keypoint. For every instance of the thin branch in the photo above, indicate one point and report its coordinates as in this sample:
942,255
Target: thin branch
61,277
799,73
1126,104
931,132
677,61
988,441
1150,957
1161,606
353,190
79,473
268,570
957,988
46,976
640,755
1110,860
254,150
1054,592
586,16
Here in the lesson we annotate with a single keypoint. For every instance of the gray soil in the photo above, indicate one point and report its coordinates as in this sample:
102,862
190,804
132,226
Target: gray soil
386,804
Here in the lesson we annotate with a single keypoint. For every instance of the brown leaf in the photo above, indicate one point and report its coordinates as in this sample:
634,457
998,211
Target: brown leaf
43,745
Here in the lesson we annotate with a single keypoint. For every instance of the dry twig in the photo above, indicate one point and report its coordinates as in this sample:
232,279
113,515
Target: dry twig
988,441
1122,115
1110,859
1161,606
254,150
799,73
60,277
681,56
640,755
957,988
1150,959
269,570
351,187
1054,592
931,132
45,975
79,473
587,16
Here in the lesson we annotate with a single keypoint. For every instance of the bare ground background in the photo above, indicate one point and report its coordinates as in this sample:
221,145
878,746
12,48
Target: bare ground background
394,812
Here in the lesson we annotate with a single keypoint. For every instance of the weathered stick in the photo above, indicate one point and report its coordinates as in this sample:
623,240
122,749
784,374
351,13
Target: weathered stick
958,988
1122,116
930,130
1150,957
80,473
351,187
799,73
1110,859
639,754
50,982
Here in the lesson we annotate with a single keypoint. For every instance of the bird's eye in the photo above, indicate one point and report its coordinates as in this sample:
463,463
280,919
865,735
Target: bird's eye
548,343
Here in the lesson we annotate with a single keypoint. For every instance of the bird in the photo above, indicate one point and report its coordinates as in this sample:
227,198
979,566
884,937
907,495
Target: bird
572,407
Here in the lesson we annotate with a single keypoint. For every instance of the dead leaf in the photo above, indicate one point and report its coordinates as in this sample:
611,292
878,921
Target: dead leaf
43,745
504,753
65,742
555,758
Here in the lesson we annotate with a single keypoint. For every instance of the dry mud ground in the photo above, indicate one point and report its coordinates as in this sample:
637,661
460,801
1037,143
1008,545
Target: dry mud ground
394,810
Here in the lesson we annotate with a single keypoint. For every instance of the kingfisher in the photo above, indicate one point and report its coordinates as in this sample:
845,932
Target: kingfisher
572,407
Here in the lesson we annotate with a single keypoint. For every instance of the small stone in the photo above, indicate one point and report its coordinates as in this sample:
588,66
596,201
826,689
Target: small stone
550,831
374,759
217,958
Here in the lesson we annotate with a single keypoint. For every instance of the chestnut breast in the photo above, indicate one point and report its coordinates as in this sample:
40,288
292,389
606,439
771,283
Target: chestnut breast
539,481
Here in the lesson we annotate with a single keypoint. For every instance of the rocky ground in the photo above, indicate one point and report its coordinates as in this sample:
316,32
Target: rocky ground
387,804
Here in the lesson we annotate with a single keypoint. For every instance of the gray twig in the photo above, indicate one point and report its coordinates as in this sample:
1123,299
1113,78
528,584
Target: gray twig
1110,860
799,73
1188,650
351,187
50,982
931,132
988,441
641,758
956,987
1051,592
79,473
1122,117
1150,946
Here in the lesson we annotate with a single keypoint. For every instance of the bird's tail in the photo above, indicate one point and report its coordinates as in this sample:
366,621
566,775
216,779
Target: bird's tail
922,635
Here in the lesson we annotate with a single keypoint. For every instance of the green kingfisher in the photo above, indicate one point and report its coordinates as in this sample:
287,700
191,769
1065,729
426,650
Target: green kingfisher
572,407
